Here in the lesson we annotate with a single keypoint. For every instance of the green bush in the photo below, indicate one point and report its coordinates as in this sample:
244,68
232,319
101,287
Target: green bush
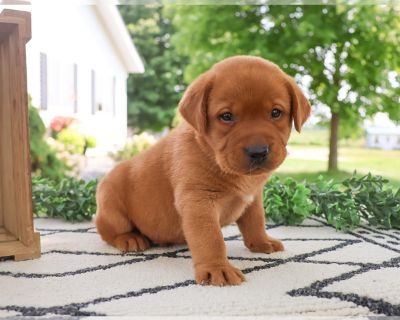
90,142
344,205
134,146
44,160
288,202
74,141
70,198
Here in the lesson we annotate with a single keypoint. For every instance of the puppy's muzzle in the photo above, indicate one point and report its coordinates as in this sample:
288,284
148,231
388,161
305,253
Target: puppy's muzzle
257,154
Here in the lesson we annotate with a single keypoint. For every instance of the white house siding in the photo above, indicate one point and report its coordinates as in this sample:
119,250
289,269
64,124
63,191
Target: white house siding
75,37
383,138
387,142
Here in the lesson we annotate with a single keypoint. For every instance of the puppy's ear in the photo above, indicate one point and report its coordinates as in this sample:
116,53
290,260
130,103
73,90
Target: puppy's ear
301,108
194,103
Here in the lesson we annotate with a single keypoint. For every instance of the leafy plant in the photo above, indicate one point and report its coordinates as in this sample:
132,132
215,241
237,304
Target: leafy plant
60,123
70,198
44,160
345,205
134,146
334,203
287,202
74,141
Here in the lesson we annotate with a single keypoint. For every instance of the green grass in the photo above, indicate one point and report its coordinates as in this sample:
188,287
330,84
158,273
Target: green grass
317,137
378,162
320,137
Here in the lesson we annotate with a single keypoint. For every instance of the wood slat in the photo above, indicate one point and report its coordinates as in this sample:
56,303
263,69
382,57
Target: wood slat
6,138
2,102
6,236
17,237
19,251
22,18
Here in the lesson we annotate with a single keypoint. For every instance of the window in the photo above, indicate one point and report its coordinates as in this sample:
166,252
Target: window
58,82
114,95
75,88
103,93
93,77
43,81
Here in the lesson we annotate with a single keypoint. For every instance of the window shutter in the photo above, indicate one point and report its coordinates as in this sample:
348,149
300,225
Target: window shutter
93,92
114,95
43,81
75,88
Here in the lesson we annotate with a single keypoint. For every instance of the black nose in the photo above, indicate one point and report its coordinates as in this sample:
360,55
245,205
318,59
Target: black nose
257,153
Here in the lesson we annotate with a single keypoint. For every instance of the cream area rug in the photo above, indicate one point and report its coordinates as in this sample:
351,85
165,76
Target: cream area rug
321,273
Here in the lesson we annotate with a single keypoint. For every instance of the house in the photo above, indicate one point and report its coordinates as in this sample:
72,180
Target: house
387,138
381,132
78,61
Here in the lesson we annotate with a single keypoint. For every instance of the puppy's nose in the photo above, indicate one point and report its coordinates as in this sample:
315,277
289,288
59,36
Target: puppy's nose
257,153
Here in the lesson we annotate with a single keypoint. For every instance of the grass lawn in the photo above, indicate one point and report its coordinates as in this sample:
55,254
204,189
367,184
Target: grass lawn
308,162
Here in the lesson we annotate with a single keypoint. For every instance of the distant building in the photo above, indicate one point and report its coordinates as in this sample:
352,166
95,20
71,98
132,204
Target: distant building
78,62
387,138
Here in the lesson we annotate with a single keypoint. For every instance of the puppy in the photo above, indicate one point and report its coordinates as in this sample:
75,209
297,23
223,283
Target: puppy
209,171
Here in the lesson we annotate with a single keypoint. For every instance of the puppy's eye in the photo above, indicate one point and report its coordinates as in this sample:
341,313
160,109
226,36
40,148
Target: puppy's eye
226,117
276,113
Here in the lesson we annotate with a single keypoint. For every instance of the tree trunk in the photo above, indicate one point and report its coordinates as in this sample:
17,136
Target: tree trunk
333,143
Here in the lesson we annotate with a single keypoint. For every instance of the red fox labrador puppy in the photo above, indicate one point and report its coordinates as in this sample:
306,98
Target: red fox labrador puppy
209,171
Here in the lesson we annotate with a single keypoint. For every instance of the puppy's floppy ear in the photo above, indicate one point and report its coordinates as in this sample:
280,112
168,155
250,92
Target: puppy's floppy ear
194,103
301,108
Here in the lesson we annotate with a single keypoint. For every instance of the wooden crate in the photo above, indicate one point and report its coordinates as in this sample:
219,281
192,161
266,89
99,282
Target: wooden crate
17,236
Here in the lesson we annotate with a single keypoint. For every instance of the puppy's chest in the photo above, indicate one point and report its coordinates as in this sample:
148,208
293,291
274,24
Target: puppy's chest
232,207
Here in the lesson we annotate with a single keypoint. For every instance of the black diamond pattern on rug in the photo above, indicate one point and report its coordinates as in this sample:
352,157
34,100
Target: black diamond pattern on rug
321,272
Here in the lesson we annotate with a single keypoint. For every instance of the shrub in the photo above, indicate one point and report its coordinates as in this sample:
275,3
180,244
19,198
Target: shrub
69,135
73,141
70,198
134,146
58,124
288,202
344,205
44,160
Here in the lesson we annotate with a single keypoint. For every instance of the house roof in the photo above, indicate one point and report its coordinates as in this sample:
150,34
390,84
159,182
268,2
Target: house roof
112,20
113,23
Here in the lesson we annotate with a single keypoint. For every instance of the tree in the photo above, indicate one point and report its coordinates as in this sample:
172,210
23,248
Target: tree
153,95
348,54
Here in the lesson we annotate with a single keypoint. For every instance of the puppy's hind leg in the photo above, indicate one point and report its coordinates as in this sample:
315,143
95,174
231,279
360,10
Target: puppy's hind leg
117,231
115,228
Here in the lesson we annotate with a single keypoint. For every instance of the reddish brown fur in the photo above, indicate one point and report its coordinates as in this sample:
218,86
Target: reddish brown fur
198,179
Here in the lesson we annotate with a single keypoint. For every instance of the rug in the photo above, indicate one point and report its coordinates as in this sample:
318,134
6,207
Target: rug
322,273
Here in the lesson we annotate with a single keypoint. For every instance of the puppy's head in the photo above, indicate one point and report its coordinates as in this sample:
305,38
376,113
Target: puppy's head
243,107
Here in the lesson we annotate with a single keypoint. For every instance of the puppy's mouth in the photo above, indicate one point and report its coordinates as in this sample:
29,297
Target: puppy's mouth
239,165
251,169
256,169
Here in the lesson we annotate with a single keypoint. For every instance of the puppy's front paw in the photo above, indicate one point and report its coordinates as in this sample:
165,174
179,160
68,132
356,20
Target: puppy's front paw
267,246
218,275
